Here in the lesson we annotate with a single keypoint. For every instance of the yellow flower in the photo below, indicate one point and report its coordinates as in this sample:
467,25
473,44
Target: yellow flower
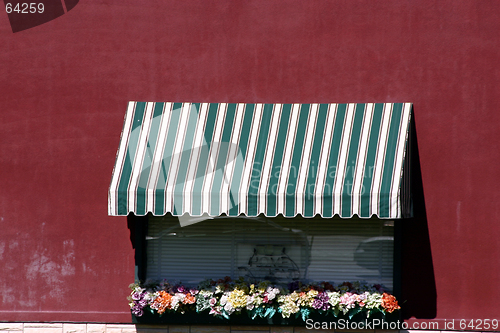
312,293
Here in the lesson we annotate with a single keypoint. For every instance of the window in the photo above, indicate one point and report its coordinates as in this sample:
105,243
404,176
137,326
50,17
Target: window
241,163
278,249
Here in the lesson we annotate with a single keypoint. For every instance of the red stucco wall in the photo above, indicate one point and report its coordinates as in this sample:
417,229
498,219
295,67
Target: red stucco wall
64,86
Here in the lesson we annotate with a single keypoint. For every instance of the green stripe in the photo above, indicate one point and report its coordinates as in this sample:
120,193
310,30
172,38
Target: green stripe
166,158
262,144
314,162
278,160
238,167
222,159
185,158
296,161
148,159
331,170
203,160
122,192
371,154
352,159
390,156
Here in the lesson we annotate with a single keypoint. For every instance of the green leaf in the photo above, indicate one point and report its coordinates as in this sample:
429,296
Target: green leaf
259,311
269,312
252,313
354,312
305,313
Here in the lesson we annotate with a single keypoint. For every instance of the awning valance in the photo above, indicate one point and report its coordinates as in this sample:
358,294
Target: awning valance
270,159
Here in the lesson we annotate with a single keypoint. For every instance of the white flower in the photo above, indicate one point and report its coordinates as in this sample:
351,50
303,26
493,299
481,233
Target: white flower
180,296
272,292
176,300
373,300
333,298
206,293
229,308
219,289
288,307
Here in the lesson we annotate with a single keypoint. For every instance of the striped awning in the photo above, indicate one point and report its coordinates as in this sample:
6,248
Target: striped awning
290,159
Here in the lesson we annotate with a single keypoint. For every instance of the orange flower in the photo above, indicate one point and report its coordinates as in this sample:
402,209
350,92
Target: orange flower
389,303
162,302
189,299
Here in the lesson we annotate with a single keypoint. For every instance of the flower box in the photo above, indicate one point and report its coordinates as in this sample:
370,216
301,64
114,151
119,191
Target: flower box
240,303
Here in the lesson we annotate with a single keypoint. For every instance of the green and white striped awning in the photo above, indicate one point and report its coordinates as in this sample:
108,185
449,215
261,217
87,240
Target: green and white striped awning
290,159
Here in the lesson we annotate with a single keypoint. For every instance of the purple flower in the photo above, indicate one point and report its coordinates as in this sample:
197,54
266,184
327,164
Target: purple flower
321,302
137,311
181,289
136,296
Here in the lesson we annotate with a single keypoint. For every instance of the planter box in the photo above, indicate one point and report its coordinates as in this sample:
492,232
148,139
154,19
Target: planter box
203,318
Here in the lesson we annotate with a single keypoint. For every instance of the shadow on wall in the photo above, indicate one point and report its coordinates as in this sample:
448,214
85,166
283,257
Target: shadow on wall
418,287
138,226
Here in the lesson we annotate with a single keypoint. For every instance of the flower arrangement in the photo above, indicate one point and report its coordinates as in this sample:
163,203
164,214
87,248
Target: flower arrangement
225,297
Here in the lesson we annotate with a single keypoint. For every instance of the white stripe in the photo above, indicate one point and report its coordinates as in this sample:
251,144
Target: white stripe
173,171
357,189
247,168
305,160
379,162
342,161
120,158
395,210
268,159
287,157
233,155
198,143
212,158
324,158
139,155
158,157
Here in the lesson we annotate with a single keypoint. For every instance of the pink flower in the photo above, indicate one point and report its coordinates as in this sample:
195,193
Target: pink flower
348,299
215,311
